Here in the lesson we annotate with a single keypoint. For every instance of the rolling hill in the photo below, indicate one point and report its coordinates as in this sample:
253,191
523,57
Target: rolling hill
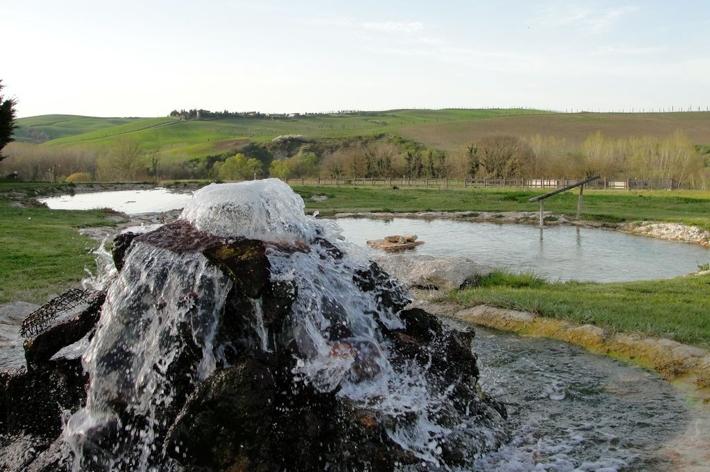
38,129
448,129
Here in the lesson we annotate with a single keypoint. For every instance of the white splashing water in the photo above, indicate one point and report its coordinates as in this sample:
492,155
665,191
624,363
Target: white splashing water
261,209
156,300
159,293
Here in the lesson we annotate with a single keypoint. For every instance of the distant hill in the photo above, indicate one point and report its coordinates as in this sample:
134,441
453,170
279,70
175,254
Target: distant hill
447,129
195,138
39,129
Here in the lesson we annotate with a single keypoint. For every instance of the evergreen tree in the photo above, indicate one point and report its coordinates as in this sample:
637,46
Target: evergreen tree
7,120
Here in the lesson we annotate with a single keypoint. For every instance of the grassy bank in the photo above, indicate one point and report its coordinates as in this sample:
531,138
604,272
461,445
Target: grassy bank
675,308
42,251
688,207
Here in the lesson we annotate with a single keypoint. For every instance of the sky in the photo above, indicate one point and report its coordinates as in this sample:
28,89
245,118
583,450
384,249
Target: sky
148,57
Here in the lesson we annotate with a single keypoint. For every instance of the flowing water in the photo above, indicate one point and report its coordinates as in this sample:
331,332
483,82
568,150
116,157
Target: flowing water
569,410
163,307
574,411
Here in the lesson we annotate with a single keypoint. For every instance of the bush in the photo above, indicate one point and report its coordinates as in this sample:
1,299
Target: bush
238,167
78,177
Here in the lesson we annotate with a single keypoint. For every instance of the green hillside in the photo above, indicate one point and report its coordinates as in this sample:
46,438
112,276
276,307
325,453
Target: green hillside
447,129
195,138
418,143
38,129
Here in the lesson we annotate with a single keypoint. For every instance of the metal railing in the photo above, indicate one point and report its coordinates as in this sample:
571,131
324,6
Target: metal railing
580,199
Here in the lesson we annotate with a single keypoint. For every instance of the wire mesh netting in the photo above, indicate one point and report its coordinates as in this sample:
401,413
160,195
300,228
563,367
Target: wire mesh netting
42,318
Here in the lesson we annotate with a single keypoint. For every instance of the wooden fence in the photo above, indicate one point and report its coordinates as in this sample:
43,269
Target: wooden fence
455,183
443,184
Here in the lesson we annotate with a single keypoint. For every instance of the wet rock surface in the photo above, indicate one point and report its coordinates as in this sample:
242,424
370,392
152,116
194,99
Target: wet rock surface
395,243
231,378
426,272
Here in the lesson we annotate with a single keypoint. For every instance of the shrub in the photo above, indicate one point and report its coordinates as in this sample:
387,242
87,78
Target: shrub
78,177
238,167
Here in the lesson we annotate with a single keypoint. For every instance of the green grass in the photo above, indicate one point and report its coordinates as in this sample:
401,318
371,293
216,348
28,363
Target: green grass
42,250
675,308
180,140
47,127
447,129
688,207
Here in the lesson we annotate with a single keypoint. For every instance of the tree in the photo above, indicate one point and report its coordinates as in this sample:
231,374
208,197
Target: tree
474,162
122,163
7,120
238,167
154,163
304,164
503,157
280,169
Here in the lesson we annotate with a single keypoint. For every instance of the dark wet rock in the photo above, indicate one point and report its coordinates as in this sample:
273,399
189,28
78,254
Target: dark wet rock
277,301
242,418
180,237
420,325
32,402
253,411
390,294
329,248
63,332
245,261
121,246
52,459
227,419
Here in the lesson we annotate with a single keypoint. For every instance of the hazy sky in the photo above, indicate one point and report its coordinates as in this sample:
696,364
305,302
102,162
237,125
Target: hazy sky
144,58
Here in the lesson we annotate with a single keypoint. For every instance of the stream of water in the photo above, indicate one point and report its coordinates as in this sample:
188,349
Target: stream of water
574,411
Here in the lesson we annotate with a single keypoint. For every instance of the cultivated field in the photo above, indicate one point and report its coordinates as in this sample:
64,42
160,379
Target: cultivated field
441,129
574,127
196,138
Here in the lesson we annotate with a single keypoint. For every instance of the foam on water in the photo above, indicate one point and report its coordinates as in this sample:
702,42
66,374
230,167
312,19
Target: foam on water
261,209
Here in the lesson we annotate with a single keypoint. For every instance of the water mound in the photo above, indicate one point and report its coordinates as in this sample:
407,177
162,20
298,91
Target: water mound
262,209
241,337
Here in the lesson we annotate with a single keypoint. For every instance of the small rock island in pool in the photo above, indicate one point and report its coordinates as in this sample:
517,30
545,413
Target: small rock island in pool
243,337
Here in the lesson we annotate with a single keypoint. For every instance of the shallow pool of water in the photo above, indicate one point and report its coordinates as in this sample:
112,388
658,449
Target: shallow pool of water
131,202
563,253
570,410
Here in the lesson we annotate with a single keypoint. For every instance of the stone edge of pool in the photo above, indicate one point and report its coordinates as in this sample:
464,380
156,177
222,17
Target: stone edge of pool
666,231
676,362
686,367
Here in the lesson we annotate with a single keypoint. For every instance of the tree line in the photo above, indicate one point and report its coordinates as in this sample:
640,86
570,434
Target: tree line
669,161
202,114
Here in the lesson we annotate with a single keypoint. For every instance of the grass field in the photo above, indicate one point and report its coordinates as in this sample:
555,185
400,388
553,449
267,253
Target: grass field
195,138
43,254
675,308
48,127
450,129
575,127
42,250
688,207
